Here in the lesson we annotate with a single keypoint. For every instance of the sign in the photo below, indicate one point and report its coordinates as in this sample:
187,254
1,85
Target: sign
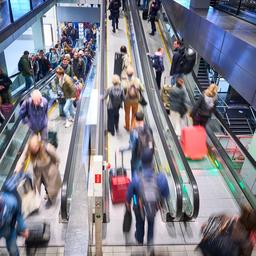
97,178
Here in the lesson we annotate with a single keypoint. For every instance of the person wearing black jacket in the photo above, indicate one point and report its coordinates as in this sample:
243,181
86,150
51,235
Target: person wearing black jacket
43,64
5,83
114,13
176,71
153,9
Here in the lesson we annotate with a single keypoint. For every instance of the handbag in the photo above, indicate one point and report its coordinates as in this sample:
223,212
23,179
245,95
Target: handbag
142,100
127,221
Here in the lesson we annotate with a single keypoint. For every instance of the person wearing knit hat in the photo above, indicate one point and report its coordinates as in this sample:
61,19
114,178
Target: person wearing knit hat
147,182
11,222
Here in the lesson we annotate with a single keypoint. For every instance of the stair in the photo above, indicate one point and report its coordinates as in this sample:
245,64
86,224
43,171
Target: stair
202,75
239,126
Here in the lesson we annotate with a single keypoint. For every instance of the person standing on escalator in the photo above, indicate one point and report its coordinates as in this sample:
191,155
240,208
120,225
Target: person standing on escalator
114,13
153,10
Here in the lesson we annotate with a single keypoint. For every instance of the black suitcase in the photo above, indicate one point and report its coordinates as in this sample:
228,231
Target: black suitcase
145,14
39,234
118,63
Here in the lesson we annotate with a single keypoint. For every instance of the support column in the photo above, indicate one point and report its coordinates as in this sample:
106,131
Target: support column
200,4
38,35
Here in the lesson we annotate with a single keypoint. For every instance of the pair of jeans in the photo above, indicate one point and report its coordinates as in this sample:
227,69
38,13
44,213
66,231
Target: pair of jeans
28,82
113,120
140,225
174,78
129,107
145,4
114,22
10,235
43,133
158,78
69,109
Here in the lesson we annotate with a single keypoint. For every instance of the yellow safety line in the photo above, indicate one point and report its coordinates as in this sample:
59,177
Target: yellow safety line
163,42
27,161
108,153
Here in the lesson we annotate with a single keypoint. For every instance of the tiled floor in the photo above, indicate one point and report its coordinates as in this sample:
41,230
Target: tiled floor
51,251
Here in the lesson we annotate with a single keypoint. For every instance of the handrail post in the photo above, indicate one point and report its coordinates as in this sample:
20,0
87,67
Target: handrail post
96,169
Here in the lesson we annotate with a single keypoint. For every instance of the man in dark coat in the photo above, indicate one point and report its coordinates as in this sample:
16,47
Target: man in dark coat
114,13
176,71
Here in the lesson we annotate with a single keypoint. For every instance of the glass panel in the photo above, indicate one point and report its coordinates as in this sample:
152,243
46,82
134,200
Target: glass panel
19,8
4,14
36,3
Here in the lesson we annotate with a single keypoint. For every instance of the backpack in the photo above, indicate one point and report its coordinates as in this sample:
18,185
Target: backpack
156,62
145,140
115,5
187,60
116,97
149,196
133,92
20,66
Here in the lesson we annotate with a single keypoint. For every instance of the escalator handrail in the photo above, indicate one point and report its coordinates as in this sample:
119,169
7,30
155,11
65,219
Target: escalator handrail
214,139
151,81
231,134
16,74
18,120
237,141
23,96
103,78
23,143
66,178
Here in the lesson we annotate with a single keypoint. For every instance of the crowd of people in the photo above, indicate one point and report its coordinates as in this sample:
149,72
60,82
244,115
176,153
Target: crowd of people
71,66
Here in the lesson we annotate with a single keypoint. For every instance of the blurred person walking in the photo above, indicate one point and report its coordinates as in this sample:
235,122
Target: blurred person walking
45,161
34,112
153,10
141,138
147,191
43,64
12,222
65,64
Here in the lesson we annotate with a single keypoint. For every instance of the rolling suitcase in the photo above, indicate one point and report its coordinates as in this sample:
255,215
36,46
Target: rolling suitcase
119,183
145,14
193,142
39,234
118,63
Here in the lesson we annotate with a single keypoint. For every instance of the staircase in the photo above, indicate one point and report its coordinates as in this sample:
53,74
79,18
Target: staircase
239,126
202,75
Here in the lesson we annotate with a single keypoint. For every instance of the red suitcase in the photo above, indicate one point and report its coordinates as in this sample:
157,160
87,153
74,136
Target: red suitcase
119,183
193,142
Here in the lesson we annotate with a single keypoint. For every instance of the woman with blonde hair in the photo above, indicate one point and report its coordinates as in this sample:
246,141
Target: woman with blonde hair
115,95
45,162
205,106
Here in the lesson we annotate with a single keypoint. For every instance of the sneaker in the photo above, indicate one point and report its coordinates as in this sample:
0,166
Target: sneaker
152,33
71,119
68,124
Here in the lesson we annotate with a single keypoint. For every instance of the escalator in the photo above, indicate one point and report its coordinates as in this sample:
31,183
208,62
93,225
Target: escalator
14,136
235,167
